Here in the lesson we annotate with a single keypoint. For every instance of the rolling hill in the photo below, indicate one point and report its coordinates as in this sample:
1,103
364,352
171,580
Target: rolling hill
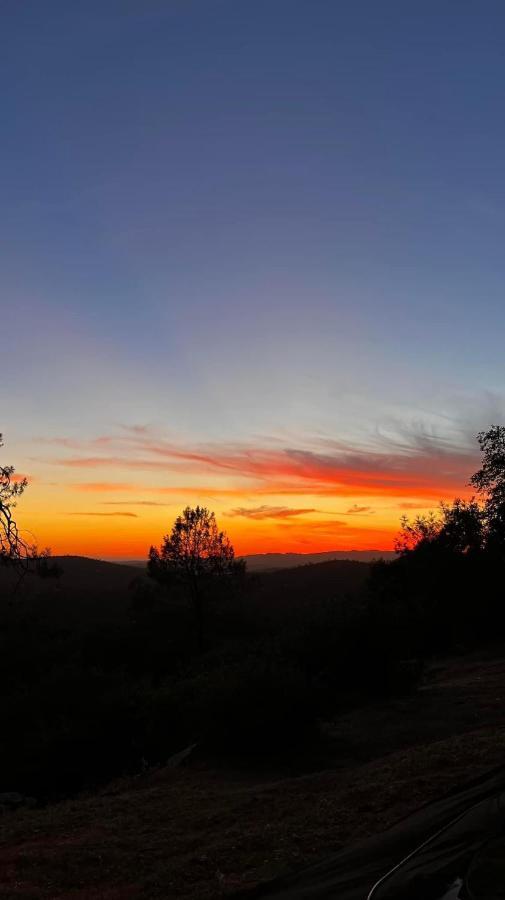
263,562
91,590
259,562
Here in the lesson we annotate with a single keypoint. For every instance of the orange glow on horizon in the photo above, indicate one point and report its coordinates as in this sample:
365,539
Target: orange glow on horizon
267,500
123,529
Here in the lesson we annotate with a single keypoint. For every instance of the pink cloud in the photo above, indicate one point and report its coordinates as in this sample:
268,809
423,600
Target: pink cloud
423,468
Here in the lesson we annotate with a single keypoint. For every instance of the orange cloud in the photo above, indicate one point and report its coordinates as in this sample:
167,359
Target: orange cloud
413,505
299,480
22,476
129,515
267,512
100,487
132,503
329,470
183,490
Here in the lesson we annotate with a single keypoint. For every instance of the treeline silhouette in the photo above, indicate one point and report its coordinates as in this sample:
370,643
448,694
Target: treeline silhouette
196,651
446,589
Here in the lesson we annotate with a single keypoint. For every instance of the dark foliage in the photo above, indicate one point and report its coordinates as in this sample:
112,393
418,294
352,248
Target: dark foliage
446,588
101,681
197,556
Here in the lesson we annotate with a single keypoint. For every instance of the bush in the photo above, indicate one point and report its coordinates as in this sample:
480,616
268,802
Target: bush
255,707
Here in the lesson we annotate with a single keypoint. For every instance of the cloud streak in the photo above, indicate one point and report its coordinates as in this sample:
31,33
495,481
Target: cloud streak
268,512
99,487
129,515
416,464
132,503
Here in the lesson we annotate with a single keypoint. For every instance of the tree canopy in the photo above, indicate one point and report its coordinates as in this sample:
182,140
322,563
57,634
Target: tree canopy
490,484
195,548
194,554
445,587
466,526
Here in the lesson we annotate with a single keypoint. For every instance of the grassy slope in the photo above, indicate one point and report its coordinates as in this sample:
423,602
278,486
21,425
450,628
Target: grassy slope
195,832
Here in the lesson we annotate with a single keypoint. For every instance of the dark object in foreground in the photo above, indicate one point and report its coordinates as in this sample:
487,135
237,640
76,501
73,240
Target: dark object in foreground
440,852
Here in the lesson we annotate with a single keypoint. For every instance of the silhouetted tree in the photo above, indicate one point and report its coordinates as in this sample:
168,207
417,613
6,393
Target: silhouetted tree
463,526
195,553
445,586
14,550
12,547
490,483
414,533
460,527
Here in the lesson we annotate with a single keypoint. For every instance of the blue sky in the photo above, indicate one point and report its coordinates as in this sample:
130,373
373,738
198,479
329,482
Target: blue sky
256,220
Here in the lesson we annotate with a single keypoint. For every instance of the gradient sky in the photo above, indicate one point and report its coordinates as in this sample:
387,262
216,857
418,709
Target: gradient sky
251,255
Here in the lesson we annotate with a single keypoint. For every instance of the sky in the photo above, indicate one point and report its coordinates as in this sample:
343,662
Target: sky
251,256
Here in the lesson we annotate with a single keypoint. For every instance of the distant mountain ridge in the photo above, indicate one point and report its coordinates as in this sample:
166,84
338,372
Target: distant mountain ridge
262,562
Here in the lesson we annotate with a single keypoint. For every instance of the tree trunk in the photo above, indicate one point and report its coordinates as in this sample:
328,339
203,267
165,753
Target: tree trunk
198,608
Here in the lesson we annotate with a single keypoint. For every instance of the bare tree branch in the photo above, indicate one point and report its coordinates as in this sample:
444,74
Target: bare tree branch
14,550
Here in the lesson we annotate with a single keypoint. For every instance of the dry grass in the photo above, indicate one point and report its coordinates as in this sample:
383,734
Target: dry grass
201,833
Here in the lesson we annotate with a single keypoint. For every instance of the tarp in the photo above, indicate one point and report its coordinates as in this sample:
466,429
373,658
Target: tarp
428,856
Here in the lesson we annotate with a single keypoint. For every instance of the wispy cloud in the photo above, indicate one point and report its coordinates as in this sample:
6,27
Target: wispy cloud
20,476
132,503
182,490
268,512
137,429
358,510
398,461
99,487
129,515
413,505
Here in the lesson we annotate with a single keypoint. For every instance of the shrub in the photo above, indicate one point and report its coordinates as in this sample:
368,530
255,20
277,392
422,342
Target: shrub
255,707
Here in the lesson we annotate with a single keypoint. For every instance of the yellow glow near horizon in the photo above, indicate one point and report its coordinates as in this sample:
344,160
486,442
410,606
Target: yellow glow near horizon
115,524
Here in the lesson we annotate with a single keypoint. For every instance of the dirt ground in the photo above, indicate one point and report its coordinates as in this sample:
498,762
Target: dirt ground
199,832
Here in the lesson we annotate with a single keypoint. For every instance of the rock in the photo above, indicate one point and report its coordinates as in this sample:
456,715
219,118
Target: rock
12,800
179,758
